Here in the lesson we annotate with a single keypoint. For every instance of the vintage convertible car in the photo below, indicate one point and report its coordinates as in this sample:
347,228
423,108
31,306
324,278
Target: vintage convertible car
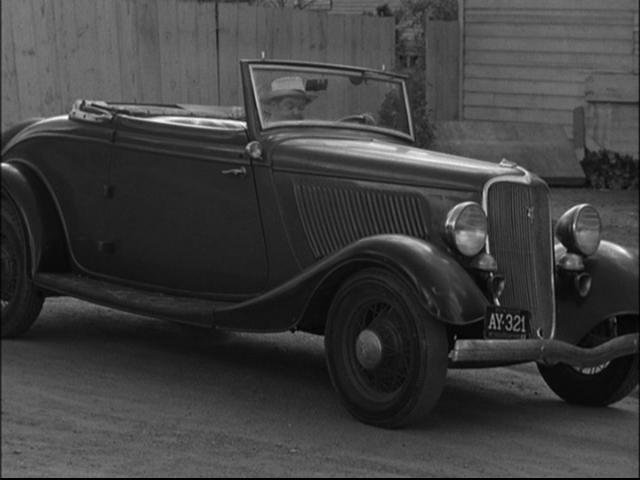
309,209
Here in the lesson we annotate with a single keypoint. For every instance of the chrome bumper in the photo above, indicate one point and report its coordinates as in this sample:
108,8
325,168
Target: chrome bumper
470,353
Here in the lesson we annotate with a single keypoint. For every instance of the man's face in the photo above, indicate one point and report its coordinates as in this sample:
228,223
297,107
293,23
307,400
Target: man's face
287,108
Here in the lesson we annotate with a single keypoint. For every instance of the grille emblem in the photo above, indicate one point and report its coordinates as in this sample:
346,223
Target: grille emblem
530,214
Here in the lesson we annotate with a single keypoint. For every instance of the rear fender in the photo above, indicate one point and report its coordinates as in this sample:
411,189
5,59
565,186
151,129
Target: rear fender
39,216
445,289
614,292
12,131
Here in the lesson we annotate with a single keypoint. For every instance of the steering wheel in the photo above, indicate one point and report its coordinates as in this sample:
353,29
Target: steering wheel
363,118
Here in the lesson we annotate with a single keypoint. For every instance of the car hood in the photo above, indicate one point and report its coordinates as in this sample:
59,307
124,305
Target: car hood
377,160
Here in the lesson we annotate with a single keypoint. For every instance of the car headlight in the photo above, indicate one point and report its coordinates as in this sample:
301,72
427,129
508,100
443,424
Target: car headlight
466,228
579,229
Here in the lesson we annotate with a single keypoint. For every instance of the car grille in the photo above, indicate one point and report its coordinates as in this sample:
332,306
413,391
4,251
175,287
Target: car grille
521,241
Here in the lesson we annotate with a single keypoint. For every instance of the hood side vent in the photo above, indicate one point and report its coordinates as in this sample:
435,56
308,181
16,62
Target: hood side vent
334,217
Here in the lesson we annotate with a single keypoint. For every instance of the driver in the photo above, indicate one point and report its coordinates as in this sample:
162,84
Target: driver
285,99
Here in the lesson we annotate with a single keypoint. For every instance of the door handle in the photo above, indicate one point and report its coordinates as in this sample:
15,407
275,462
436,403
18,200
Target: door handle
236,172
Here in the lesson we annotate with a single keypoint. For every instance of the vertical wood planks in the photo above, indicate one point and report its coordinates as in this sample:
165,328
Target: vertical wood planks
26,58
206,54
107,56
442,69
168,51
11,112
170,78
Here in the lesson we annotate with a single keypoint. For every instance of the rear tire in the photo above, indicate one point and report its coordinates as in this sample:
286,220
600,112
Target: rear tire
21,300
601,385
386,357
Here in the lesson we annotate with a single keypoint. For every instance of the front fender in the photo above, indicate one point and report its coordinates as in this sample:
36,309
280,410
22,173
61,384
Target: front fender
614,291
445,289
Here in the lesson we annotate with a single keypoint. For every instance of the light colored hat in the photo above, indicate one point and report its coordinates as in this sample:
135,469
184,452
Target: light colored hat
287,87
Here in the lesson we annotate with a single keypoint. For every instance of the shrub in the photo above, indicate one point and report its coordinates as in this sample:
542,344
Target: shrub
410,16
607,169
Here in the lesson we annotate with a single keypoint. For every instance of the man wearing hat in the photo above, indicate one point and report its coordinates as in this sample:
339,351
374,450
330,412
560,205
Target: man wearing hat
285,99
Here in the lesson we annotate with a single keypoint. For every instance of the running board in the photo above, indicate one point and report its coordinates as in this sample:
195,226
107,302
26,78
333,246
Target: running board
194,311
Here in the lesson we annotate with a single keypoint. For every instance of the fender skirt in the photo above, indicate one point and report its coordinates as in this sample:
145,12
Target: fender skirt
446,290
614,291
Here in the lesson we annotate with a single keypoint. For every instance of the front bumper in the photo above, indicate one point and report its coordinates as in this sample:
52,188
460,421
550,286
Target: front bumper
483,353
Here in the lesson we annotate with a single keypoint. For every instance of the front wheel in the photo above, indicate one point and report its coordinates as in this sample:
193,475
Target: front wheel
603,384
386,357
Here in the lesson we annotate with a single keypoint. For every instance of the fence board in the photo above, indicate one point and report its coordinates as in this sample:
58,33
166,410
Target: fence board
26,58
46,51
206,54
107,56
442,77
187,41
169,51
148,39
127,41
10,92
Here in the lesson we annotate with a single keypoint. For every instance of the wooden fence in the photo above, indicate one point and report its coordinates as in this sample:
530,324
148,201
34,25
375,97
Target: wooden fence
168,51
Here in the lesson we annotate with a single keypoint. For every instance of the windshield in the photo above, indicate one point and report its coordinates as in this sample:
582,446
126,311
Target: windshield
330,96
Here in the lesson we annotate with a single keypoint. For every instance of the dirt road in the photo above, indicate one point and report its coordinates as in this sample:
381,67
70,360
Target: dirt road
93,392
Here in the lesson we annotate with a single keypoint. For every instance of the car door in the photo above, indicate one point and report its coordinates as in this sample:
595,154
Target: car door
183,213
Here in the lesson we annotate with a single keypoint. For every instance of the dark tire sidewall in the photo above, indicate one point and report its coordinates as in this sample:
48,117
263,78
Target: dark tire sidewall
424,382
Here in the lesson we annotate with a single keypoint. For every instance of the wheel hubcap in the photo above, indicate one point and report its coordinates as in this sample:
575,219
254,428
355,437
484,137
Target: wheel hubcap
368,349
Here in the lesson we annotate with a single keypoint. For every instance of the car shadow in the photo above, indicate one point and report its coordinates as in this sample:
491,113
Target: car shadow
124,344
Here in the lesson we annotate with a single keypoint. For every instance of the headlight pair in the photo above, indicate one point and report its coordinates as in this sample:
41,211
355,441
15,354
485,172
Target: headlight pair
579,229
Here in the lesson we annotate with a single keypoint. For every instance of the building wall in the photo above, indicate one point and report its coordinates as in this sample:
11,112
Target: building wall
530,60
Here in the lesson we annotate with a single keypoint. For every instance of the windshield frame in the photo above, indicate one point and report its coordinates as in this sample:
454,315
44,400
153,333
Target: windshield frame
256,65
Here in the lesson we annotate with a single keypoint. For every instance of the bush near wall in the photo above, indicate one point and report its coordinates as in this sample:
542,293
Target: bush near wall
607,169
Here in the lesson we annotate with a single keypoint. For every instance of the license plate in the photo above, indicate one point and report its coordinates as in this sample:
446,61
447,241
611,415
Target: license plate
502,322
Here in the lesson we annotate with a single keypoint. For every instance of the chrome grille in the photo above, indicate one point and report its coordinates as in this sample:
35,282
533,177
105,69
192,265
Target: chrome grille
333,217
521,240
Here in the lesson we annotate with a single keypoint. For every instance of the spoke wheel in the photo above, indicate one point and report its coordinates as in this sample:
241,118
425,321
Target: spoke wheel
21,301
602,384
387,359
